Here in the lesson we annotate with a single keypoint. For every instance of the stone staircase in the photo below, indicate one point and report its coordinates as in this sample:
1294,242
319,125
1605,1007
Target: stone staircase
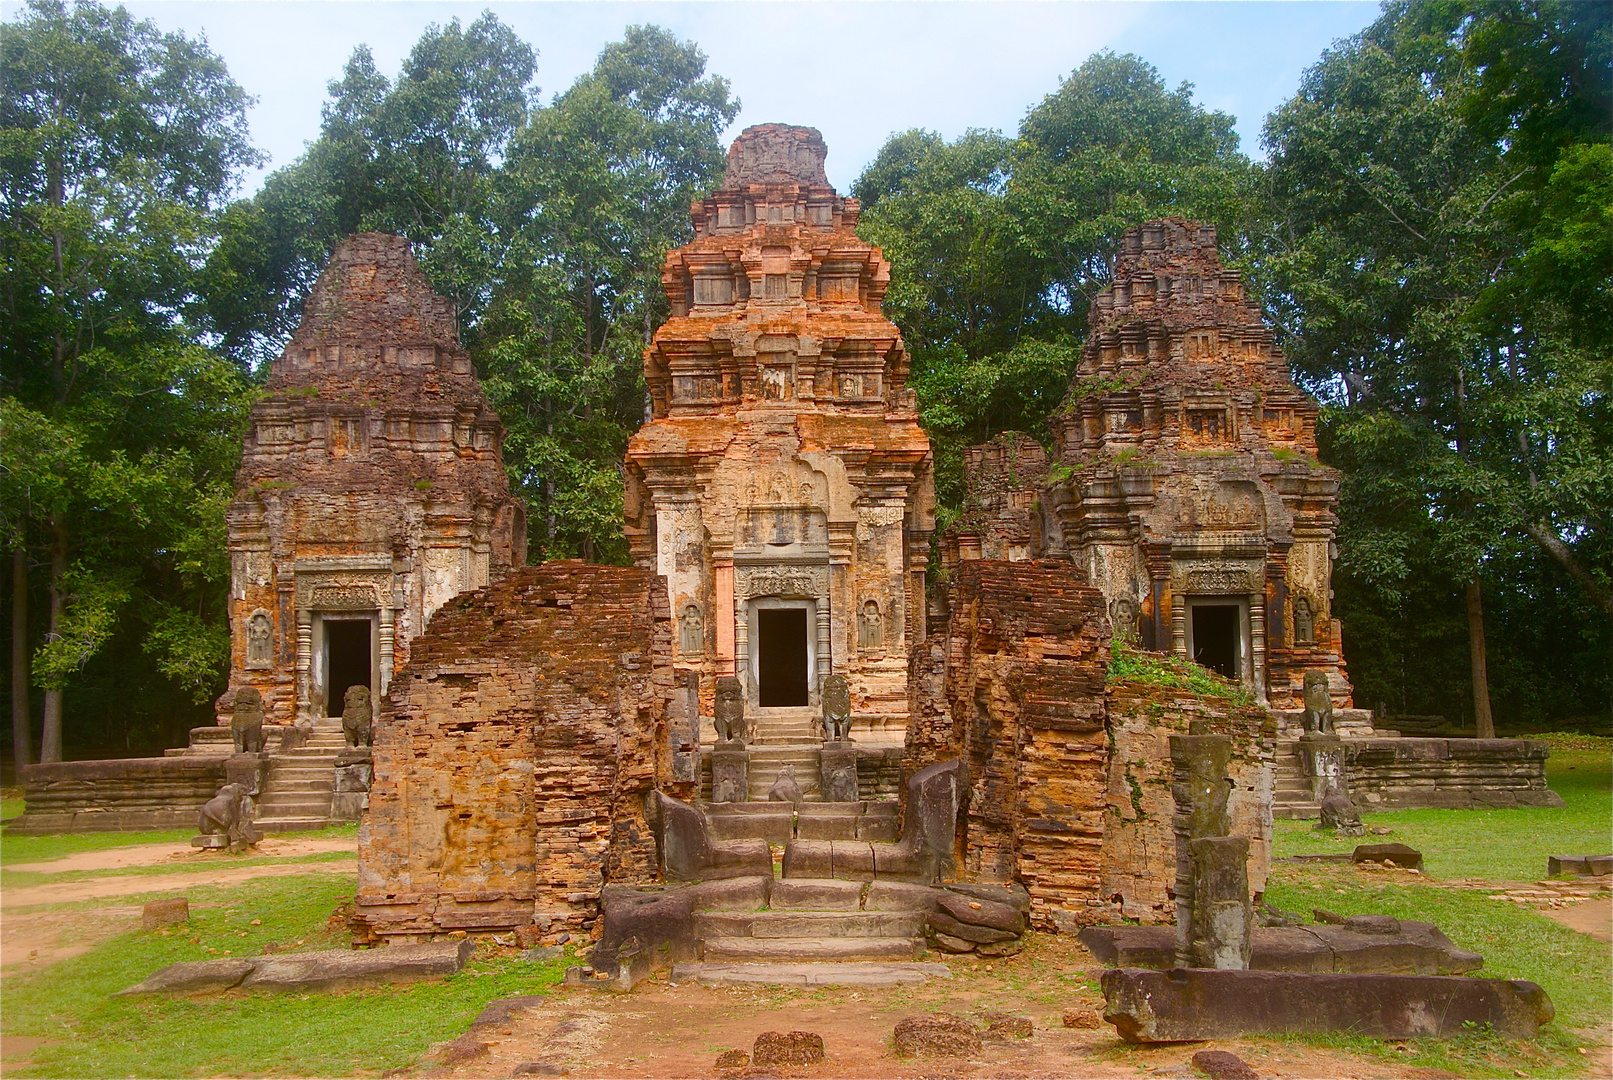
767,761
816,920
297,791
1291,788
785,727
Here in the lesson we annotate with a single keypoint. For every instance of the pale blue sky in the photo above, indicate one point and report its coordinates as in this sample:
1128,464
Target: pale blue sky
857,71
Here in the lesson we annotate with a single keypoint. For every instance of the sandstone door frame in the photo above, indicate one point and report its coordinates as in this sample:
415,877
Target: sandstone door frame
318,705
1243,623
816,612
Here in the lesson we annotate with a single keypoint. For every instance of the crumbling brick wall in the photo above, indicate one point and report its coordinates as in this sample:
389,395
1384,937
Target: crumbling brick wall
1139,845
1022,669
514,753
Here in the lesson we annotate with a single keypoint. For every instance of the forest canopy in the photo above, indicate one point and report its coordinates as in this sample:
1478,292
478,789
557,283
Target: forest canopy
1431,233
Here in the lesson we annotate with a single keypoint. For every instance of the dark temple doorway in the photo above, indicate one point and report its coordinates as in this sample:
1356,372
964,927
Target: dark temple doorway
347,660
781,657
1216,636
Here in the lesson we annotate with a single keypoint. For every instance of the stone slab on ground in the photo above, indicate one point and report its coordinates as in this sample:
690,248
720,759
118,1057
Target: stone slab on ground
849,974
1185,1005
329,969
1390,854
220,974
1584,865
1359,946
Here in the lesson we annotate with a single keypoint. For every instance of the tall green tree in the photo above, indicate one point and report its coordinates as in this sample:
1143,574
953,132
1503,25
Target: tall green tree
998,245
419,157
118,145
595,191
1439,256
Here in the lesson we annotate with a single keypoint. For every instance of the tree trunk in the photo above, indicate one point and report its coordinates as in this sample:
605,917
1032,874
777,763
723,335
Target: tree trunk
50,730
1564,556
1481,677
21,723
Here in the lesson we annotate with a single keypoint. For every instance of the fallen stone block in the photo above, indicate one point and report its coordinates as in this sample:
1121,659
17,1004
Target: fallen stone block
1221,1065
1358,945
169,911
1014,896
340,969
1393,854
1001,1025
219,974
732,1059
1082,1018
1184,1005
986,913
943,923
941,1035
1584,865
787,1048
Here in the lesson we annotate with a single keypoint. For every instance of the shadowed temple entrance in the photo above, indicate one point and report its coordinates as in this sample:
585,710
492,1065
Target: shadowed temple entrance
347,655
781,667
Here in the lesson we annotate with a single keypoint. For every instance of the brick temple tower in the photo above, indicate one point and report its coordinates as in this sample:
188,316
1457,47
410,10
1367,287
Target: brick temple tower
371,489
1194,499
783,485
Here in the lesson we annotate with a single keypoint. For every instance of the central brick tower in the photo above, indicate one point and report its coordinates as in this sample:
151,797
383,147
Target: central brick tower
783,484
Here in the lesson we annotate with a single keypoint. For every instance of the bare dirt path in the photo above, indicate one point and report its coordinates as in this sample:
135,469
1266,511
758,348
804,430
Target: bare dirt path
31,938
666,1030
154,854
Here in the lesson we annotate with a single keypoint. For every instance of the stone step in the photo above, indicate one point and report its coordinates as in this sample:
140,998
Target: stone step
808,948
816,894
298,772
1295,811
808,924
294,806
302,787
290,824
850,973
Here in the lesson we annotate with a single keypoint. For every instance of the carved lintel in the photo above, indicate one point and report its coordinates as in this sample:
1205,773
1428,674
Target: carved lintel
785,582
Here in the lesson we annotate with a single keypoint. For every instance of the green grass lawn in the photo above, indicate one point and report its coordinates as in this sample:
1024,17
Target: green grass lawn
357,1033
1517,942
1496,845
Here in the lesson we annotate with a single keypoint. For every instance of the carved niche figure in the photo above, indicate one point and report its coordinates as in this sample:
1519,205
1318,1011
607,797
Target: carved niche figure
357,716
836,708
1318,716
229,814
246,721
1304,622
1123,618
691,630
259,641
728,711
870,629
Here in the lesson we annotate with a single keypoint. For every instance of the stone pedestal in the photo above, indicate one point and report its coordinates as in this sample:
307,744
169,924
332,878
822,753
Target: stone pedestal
1321,759
730,772
837,768
1219,936
210,843
248,770
1213,911
350,794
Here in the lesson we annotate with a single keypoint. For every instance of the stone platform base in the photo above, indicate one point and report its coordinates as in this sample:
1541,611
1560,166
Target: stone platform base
1185,1005
1406,774
120,795
1368,944
848,974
